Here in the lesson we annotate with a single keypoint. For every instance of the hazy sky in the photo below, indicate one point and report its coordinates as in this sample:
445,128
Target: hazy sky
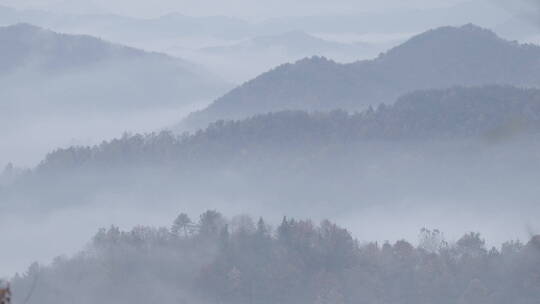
146,8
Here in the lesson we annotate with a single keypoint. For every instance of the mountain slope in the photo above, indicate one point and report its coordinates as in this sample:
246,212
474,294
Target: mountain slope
440,58
25,45
27,49
49,81
479,113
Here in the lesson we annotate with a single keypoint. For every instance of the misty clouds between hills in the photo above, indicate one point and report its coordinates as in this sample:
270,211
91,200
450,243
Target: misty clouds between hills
476,138
216,260
462,144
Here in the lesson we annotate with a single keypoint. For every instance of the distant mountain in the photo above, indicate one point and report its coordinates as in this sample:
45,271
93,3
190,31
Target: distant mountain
122,28
24,46
117,27
184,36
53,80
293,43
444,57
247,58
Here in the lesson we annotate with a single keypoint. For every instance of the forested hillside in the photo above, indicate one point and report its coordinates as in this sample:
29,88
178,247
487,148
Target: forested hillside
452,143
217,260
440,58
485,113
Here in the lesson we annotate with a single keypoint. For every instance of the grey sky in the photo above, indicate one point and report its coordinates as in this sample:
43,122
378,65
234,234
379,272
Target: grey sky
146,8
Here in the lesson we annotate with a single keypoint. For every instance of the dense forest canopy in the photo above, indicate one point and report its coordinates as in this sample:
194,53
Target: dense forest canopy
243,260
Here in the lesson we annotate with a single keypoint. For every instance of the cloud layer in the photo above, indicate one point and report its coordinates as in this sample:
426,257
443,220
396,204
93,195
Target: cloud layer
232,7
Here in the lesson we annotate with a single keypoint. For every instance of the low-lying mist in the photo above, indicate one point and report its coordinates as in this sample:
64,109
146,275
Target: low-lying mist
28,138
59,90
373,153
381,192
459,160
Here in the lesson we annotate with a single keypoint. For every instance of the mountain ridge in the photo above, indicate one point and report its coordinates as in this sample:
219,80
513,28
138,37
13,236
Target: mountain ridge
99,89
439,58
45,42
491,114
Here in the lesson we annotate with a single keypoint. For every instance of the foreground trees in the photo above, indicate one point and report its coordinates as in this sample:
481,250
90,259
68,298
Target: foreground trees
245,261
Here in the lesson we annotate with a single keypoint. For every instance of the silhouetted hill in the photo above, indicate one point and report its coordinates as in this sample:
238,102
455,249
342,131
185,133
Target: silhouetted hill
485,113
27,50
445,57
62,88
24,45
